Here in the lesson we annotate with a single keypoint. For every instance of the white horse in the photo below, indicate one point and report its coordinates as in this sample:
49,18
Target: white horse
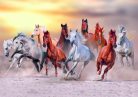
29,49
8,45
78,53
124,47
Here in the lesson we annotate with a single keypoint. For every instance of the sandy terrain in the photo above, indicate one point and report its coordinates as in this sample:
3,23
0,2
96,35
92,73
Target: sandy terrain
54,87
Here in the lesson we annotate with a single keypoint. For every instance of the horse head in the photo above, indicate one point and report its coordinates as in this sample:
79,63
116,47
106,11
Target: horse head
46,38
98,30
122,29
112,38
75,37
37,30
7,45
120,38
64,30
84,27
100,35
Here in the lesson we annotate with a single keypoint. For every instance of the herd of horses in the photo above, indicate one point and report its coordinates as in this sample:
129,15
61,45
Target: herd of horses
72,46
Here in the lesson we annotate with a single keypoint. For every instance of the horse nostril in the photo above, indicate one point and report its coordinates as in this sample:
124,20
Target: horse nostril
115,46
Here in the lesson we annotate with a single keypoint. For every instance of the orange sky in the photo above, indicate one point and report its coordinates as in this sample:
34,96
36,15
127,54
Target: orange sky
22,15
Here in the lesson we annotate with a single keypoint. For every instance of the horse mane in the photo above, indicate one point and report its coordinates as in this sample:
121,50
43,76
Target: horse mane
61,38
19,34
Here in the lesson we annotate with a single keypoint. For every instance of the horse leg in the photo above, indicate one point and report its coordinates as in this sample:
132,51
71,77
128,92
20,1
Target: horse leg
72,69
121,60
99,68
83,66
13,62
19,65
66,67
127,60
46,64
109,66
19,59
44,55
132,59
36,65
54,62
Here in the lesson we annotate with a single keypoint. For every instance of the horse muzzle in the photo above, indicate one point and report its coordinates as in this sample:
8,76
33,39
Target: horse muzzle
32,36
7,55
114,45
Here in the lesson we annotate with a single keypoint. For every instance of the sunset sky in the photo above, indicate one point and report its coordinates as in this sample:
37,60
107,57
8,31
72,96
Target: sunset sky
21,15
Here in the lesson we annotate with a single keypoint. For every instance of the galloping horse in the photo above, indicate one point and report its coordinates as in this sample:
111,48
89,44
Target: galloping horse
63,43
124,47
96,40
54,54
39,32
78,53
107,55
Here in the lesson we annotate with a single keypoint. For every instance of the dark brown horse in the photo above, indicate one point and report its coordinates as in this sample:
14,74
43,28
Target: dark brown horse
94,40
54,54
63,43
107,55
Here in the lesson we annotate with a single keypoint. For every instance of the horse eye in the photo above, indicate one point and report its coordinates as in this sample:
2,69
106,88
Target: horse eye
6,48
16,42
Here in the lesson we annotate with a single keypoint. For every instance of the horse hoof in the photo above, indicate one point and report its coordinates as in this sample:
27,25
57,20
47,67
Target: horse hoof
72,73
99,72
65,78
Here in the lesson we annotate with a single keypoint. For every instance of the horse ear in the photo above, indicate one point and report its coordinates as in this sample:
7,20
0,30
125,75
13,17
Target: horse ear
66,24
114,31
35,25
102,28
61,25
86,20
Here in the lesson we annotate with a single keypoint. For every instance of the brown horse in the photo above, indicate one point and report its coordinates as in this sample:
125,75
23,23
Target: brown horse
107,55
101,40
54,54
96,40
63,43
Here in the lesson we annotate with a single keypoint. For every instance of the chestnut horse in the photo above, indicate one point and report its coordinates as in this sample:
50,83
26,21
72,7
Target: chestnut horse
107,55
54,54
63,43
96,40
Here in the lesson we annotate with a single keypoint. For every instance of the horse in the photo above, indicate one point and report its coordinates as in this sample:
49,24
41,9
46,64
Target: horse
78,53
107,55
29,49
96,40
63,43
39,33
7,47
124,47
54,54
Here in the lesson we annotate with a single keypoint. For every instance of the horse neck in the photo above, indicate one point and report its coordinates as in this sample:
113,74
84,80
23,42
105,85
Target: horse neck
40,37
78,41
50,44
61,39
109,47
